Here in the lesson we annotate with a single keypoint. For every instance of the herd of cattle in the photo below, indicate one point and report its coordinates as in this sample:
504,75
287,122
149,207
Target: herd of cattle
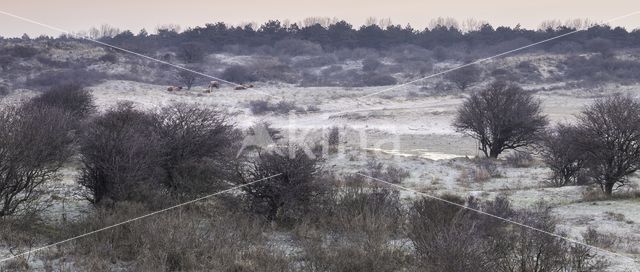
212,85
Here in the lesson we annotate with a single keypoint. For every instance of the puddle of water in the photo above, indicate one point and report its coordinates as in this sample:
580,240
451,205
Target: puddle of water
420,153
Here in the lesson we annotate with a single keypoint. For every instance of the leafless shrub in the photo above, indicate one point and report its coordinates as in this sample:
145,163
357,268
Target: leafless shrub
450,238
121,156
260,107
34,144
519,159
187,78
501,117
286,197
387,173
355,232
444,238
563,156
186,240
595,238
197,144
70,98
465,77
609,131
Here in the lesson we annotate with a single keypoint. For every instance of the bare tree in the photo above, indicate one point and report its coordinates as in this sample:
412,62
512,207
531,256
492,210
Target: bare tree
465,77
34,144
187,78
501,117
562,154
610,137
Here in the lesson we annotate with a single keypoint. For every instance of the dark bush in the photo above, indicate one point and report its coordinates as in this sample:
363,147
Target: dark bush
599,69
109,57
67,77
70,98
198,144
260,107
465,76
238,74
121,156
370,64
378,80
519,159
295,47
319,61
387,173
191,52
23,51
286,197
563,155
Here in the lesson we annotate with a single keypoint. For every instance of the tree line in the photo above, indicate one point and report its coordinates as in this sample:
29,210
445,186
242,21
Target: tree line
341,34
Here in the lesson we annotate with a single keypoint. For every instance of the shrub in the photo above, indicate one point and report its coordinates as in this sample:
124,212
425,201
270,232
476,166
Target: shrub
197,145
370,64
563,156
67,77
450,238
389,173
4,90
187,78
109,58
362,224
285,197
23,51
121,156
501,117
35,143
465,77
185,240
378,80
295,47
519,159
238,74
599,69
443,233
261,107
71,98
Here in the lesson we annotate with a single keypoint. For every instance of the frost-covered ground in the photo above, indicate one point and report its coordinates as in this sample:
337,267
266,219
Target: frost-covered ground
410,131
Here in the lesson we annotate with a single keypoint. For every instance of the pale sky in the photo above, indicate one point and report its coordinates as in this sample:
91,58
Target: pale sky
76,15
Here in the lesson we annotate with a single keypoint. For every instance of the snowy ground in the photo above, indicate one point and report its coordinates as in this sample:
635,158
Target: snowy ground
412,132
